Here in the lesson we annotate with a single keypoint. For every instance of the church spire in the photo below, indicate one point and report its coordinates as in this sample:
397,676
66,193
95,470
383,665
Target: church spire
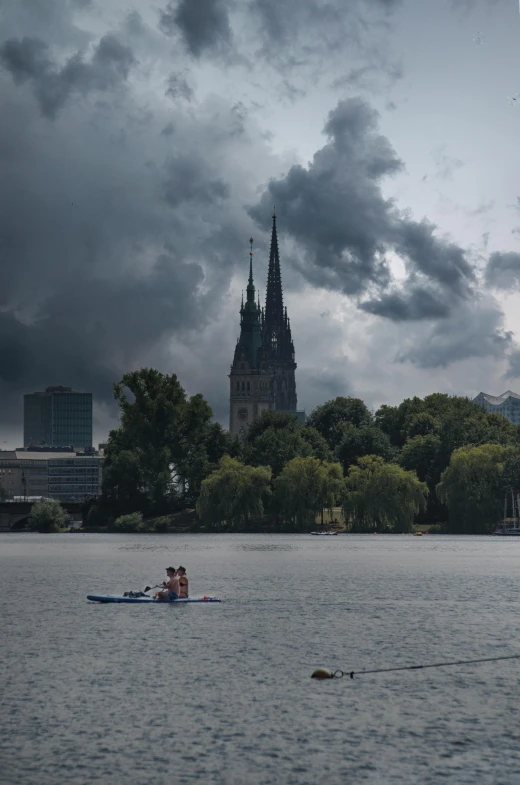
250,283
274,296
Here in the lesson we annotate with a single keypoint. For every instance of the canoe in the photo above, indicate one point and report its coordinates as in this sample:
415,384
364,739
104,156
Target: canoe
149,600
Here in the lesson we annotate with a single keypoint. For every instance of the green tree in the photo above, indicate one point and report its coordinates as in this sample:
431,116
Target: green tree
234,493
306,487
356,442
270,418
330,418
166,444
383,496
276,447
472,487
47,516
129,523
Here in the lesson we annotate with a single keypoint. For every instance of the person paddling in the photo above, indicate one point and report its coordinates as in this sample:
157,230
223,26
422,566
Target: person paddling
171,586
183,583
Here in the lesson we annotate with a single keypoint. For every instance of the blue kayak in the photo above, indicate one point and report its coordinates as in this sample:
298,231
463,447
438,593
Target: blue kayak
149,600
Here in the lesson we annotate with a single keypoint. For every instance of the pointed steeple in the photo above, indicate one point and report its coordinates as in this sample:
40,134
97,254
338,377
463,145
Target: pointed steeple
250,283
274,295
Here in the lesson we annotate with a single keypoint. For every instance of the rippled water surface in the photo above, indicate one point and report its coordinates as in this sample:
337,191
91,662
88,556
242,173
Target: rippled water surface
143,695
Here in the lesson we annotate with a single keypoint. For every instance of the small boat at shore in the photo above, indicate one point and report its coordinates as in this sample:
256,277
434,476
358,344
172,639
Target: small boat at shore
120,598
507,532
325,534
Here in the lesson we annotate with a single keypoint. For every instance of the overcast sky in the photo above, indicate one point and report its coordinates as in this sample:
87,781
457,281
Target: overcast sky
142,144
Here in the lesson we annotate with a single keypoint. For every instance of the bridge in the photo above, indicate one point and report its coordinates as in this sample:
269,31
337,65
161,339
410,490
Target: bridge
14,515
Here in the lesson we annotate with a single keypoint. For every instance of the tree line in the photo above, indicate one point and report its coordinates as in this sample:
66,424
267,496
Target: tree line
438,460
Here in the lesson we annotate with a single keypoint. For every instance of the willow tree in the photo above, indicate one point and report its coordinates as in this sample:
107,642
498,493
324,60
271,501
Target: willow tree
234,493
306,487
383,496
472,487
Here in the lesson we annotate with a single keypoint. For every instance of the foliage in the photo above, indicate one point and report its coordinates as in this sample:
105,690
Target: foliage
356,442
129,523
383,496
234,493
270,418
47,516
94,517
472,487
162,524
305,487
331,418
275,447
165,446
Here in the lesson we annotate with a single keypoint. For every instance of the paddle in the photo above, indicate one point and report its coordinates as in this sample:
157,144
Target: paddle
146,588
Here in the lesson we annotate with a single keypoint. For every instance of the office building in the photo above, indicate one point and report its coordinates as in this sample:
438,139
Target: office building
58,417
65,476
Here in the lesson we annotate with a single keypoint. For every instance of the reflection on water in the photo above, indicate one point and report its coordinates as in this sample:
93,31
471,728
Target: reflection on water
220,694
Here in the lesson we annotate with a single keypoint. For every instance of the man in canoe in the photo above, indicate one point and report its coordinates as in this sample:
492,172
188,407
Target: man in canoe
171,586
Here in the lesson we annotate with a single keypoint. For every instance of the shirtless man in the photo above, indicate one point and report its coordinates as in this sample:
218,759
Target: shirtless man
183,582
171,586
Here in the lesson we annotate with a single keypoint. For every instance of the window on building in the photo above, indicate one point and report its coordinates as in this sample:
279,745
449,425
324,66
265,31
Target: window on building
248,387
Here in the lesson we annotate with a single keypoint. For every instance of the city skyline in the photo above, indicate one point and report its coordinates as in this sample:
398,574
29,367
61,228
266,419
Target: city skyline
145,148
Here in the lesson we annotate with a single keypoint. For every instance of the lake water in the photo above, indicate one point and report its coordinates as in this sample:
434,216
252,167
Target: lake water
222,693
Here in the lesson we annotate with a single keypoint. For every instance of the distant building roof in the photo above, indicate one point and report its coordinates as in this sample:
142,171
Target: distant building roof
496,400
24,455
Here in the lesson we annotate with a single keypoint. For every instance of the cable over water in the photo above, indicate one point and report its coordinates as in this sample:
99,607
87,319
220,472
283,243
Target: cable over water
324,673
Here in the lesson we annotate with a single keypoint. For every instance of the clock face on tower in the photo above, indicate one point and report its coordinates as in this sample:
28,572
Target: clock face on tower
242,414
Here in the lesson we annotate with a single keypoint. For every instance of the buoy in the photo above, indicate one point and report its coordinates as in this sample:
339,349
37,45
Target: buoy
322,673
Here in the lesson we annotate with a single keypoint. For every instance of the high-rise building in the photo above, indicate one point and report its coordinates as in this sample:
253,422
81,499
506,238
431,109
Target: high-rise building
58,417
263,369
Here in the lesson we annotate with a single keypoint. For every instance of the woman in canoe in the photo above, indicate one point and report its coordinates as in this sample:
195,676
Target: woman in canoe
171,586
183,583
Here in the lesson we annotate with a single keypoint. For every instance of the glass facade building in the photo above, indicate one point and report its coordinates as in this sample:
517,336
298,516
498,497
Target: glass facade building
58,417
507,404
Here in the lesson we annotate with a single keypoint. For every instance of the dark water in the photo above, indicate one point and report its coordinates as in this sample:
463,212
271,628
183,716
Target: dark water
222,693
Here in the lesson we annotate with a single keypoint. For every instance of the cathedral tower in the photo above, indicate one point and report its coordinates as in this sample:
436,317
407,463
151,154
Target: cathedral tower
277,343
262,374
249,378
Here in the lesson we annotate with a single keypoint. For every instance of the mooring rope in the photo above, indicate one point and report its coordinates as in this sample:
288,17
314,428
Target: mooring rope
324,673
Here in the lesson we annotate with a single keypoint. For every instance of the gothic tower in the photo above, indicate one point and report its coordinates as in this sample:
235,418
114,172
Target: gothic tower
249,390
277,343
262,373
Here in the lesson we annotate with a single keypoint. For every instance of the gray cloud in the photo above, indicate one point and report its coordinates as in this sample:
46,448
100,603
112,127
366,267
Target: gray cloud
415,305
203,24
336,212
177,87
474,330
503,270
189,178
28,60
513,366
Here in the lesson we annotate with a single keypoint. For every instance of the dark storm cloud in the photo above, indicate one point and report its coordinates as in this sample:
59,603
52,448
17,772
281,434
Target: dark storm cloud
503,270
28,60
418,304
203,24
113,240
188,178
474,330
335,210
